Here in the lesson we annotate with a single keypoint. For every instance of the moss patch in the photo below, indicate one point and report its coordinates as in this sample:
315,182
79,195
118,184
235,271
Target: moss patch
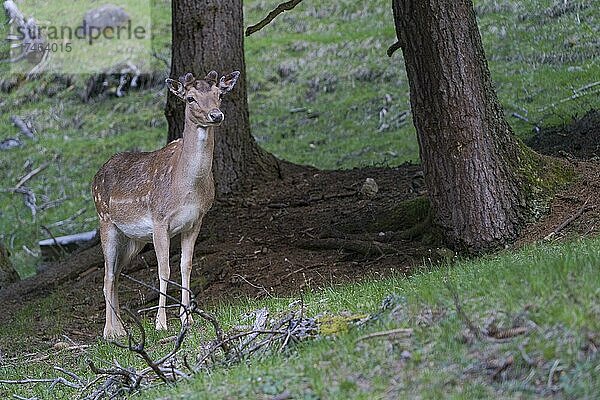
544,176
336,324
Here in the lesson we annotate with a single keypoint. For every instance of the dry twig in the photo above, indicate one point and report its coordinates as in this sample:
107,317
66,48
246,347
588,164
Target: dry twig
391,332
475,330
584,208
31,175
286,6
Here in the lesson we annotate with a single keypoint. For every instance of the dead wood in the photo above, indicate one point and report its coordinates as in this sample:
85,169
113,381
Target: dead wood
503,366
53,277
392,332
392,49
286,6
265,334
28,198
474,329
366,248
31,174
584,208
19,123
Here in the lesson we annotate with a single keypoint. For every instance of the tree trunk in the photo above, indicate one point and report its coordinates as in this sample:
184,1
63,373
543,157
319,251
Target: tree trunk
8,274
208,35
475,169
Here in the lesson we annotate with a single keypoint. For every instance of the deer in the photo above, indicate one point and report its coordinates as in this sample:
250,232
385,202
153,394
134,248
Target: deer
149,197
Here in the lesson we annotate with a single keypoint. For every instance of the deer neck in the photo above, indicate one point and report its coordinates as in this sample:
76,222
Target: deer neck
195,164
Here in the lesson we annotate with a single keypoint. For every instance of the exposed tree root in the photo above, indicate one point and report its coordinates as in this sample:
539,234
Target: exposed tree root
367,248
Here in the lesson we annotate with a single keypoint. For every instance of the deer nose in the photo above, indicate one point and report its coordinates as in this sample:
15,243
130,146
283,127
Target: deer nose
216,115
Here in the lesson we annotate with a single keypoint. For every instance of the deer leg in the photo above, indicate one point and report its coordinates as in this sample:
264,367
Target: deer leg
110,247
188,240
161,242
127,250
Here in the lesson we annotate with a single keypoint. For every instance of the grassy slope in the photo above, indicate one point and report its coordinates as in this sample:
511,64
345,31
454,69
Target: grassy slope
554,286
327,59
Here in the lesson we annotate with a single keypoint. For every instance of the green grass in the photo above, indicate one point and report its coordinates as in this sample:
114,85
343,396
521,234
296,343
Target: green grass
554,286
327,60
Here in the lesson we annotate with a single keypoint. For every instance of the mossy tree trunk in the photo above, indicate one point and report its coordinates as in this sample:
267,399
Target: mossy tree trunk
8,274
474,166
208,35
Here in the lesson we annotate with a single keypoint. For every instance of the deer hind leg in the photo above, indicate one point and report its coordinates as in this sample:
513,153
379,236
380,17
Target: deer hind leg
109,236
128,249
118,252
188,240
161,241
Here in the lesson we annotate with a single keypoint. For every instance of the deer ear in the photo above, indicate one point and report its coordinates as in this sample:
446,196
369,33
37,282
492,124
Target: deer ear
228,82
211,77
175,87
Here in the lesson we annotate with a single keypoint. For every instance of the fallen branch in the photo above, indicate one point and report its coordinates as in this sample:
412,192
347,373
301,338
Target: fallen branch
475,330
139,347
53,381
253,285
286,6
10,143
366,248
392,49
29,38
584,208
266,334
582,91
503,367
391,332
63,251
19,123
31,174
553,370
68,220
28,198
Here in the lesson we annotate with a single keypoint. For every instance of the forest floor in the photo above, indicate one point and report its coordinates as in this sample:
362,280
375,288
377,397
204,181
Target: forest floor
310,230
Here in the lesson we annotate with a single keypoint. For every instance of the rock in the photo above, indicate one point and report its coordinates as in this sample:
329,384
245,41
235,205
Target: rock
10,143
106,16
60,345
369,189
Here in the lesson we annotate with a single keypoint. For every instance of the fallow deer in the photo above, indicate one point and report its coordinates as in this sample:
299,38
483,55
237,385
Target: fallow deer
149,197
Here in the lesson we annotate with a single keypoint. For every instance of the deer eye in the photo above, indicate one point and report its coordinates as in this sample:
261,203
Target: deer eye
190,100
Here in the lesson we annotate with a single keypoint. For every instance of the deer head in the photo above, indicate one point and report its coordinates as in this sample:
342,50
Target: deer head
203,96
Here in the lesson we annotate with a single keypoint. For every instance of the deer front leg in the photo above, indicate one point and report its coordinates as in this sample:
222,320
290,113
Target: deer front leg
113,326
161,242
188,240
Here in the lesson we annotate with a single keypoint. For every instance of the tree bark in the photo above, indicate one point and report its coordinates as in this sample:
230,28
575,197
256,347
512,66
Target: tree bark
208,35
473,164
8,274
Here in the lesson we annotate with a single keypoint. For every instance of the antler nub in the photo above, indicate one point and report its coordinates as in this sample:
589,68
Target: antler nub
212,77
187,80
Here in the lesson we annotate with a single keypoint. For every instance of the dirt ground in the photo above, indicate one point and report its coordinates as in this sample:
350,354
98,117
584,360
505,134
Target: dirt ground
309,230
579,139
